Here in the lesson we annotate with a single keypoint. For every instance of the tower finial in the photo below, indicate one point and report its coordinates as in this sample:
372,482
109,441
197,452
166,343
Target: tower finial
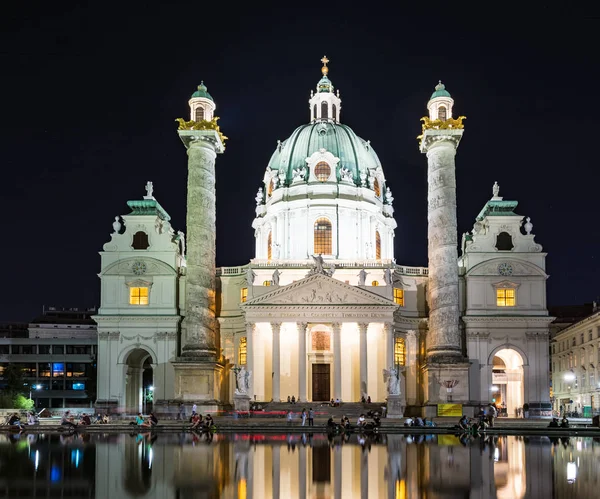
324,69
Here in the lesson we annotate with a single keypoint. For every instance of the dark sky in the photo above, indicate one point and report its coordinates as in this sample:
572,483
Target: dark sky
90,93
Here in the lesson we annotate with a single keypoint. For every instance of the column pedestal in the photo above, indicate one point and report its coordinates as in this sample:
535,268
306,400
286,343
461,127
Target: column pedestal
198,382
241,403
436,392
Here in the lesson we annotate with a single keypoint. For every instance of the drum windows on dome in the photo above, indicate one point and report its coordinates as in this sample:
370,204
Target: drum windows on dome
315,112
322,237
324,111
322,171
269,246
377,188
334,112
377,246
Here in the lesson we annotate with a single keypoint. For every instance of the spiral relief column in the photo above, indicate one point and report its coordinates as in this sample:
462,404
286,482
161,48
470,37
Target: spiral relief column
197,370
439,141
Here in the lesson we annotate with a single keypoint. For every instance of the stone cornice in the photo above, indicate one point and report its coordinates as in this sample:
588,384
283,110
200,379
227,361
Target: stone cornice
475,319
574,327
136,318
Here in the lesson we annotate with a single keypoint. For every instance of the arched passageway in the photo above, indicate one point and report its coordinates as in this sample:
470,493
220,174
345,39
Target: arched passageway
139,384
507,381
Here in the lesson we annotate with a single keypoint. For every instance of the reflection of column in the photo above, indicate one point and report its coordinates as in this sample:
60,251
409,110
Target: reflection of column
337,472
250,326
276,327
362,331
388,328
276,470
364,474
302,361
302,472
337,361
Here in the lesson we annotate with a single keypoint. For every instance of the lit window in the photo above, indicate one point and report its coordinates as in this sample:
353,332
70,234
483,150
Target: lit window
140,241
315,112
505,297
199,113
267,283
269,246
244,295
377,246
322,236
376,188
322,171
243,354
375,283
58,370
399,351
334,112
399,296
442,113
138,296
324,110
270,188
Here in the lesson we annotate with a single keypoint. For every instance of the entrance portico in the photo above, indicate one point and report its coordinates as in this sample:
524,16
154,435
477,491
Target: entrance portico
317,339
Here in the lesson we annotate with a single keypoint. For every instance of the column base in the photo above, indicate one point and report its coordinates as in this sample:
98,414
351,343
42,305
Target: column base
435,375
395,406
241,403
198,381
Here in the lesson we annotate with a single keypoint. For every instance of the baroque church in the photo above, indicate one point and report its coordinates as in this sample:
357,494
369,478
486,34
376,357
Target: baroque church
323,311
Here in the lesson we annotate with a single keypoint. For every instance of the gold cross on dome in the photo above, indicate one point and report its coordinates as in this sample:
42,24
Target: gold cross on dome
324,69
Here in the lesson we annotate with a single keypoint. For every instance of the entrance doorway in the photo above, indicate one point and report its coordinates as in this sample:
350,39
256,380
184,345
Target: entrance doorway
139,381
507,382
320,382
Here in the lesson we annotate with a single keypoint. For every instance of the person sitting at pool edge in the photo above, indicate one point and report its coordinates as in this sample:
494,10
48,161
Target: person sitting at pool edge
140,421
463,423
153,419
564,423
196,421
66,420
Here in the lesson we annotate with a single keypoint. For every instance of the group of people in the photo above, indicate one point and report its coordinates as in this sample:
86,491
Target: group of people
335,403
15,420
555,423
365,400
150,422
199,423
291,400
418,421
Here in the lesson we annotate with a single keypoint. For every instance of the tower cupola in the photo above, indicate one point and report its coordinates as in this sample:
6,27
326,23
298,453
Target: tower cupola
325,105
202,105
440,104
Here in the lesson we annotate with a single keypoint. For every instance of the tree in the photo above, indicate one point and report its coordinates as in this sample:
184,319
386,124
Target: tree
13,377
22,402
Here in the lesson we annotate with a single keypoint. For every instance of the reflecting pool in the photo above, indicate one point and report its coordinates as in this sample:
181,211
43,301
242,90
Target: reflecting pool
297,466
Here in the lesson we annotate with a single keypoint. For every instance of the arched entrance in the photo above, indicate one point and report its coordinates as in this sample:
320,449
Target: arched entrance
507,381
139,385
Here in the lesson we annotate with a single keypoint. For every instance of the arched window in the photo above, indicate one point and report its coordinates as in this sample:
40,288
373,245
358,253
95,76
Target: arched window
375,283
504,242
324,114
322,171
199,113
399,351
377,246
140,241
244,295
269,246
442,113
321,341
334,112
322,236
270,188
376,188
315,112
399,296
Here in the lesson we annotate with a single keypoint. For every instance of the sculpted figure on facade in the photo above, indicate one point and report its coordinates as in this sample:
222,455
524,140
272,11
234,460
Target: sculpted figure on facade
149,190
259,196
389,199
243,381
345,174
181,241
362,277
387,277
250,276
496,189
299,173
276,250
318,260
275,277
391,377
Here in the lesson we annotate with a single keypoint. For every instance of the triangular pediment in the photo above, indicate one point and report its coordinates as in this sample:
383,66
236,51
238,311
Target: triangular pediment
321,290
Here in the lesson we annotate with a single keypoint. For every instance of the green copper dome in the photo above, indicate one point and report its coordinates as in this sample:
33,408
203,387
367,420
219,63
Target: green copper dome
202,92
355,154
325,85
440,91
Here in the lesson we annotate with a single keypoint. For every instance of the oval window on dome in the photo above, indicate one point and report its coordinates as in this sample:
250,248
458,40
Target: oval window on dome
376,188
322,171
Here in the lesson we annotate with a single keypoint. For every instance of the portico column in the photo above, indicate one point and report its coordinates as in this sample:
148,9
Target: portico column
302,326
302,472
250,326
276,328
337,361
388,329
362,332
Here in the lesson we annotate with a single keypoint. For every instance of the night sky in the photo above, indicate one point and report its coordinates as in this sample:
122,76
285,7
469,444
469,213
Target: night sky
90,94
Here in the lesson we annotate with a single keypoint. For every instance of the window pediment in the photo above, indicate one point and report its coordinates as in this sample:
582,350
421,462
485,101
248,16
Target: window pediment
138,283
505,285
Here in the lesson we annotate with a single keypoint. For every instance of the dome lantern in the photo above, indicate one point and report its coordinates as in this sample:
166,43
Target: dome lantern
325,105
440,104
202,105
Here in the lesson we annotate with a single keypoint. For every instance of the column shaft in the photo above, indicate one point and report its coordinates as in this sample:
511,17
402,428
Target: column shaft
276,327
389,344
362,331
443,339
337,361
199,326
302,362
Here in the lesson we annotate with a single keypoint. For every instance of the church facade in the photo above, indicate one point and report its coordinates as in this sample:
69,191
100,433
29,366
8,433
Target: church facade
324,310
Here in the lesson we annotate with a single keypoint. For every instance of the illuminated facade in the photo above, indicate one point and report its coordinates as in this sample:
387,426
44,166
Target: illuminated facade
324,308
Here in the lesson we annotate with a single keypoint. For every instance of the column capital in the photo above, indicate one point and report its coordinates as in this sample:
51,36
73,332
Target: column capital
250,327
276,326
337,326
362,327
302,326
